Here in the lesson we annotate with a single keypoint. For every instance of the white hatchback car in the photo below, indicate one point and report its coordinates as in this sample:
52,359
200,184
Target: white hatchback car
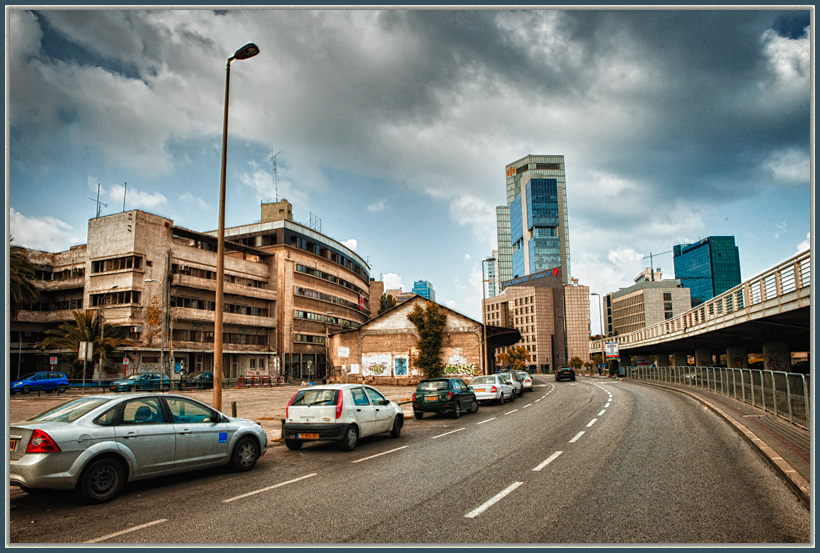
339,412
491,388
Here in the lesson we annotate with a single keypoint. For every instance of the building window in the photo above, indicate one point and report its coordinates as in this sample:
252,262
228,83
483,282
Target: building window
116,264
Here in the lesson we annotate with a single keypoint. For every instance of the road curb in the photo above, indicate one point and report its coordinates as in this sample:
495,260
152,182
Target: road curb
799,485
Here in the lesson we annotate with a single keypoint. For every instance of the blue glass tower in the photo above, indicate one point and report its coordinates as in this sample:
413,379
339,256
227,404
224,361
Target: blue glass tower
708,268
424,289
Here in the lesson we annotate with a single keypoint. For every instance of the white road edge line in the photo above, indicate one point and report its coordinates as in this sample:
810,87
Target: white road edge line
121,532
450,432
602,412
511,412
268,488
551,458
577,436
378,454
591,422
478,510
487,420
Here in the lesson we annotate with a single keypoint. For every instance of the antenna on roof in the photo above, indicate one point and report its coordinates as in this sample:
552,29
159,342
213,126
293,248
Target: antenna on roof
275,174
124,191
99,203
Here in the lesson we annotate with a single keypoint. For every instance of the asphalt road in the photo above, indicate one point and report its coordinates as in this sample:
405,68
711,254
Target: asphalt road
595,461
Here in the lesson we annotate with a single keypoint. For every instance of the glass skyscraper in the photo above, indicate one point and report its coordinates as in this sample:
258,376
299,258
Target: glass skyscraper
424,289
708,268
533,231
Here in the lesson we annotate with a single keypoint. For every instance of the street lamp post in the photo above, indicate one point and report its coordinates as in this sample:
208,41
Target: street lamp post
484,354
601,318
102,329
247,51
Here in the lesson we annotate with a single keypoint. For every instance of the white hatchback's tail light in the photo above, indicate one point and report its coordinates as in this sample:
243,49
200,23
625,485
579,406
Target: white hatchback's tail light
288,407
339,403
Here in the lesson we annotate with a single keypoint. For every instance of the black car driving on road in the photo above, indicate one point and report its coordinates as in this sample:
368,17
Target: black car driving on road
565,372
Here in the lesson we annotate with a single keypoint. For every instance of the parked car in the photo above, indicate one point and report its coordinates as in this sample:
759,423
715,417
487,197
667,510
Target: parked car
491,388
565,372
202,381
526,380
141,382
343,413
512,379
48,381
443,395
95,444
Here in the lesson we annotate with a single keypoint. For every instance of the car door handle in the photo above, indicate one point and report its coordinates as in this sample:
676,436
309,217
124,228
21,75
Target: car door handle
186,431
131,435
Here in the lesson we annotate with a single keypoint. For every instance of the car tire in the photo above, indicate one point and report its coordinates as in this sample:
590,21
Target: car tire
474,408
25,390
457,411
61,389
501,399
245,454
101,480
418,414
398,422
512,397
130,389
573,379
293,445
350,439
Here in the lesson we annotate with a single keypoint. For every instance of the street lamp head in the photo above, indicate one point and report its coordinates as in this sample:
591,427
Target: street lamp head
247,51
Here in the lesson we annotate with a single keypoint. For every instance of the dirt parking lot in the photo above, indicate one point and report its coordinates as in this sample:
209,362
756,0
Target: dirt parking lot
265,405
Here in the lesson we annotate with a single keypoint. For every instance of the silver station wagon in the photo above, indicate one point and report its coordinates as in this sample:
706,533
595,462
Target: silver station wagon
95,444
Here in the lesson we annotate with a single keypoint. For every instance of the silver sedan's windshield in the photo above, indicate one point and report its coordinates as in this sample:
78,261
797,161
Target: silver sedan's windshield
70,410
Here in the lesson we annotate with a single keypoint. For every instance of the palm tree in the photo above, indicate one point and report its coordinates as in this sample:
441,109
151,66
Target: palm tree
21,281
85,328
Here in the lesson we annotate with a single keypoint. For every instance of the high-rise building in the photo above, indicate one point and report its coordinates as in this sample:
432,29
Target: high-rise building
708,268
424,289
533,229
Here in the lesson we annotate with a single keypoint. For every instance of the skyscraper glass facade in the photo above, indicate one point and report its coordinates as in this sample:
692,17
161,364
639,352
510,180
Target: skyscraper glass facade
424,289
709,267
505,252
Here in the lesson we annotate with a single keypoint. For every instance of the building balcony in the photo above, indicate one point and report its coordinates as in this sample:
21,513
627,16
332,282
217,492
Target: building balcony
65,284
187,281
201,315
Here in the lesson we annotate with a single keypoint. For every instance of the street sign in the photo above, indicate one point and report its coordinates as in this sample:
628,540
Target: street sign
52,360
611,350
125,361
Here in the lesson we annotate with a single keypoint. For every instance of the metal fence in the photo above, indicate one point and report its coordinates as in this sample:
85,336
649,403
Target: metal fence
787,395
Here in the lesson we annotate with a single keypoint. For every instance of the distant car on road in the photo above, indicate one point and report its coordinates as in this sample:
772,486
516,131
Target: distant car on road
48,381
95,444
443,395
339,412
565,372
526,380
141,382
202,381
512,379
491,388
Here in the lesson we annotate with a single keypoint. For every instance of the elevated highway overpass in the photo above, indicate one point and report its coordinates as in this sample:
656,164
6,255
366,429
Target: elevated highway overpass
769,314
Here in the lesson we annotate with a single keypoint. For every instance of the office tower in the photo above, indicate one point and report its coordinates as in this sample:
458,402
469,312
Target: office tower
533,230
491,277
424,289
708,267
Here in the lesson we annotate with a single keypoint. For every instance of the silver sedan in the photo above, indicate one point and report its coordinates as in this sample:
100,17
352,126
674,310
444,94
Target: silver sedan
95,444
492,388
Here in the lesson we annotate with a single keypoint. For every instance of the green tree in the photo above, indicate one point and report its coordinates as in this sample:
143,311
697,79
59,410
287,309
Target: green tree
516,358
387,302
21,281
430,323
85,328
576,363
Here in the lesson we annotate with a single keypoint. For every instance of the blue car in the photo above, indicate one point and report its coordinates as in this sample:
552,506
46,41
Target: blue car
47,381
141,382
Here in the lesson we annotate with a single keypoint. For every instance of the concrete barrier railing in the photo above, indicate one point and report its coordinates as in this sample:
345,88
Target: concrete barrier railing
787,395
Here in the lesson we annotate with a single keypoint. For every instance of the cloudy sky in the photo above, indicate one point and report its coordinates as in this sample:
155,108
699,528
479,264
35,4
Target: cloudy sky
393,128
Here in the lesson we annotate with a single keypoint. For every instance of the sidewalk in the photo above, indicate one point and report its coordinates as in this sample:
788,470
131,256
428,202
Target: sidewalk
785,446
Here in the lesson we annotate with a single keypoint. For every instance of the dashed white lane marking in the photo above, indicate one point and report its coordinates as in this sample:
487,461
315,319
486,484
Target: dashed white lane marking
121,532
527,405
269,488
539,399
446,433
486,420
577,436
495,499
591,422
608,403
378,454
602,412
549,460
511,412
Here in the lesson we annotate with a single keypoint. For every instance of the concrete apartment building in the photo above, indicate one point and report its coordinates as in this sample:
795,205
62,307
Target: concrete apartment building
645,303
553,318
286,288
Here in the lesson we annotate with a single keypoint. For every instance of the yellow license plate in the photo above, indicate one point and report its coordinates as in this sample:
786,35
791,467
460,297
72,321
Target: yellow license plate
430,398
309,436
480,390
13,444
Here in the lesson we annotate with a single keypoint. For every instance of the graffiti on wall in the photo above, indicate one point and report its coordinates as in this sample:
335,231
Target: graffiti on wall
376,365
461,369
